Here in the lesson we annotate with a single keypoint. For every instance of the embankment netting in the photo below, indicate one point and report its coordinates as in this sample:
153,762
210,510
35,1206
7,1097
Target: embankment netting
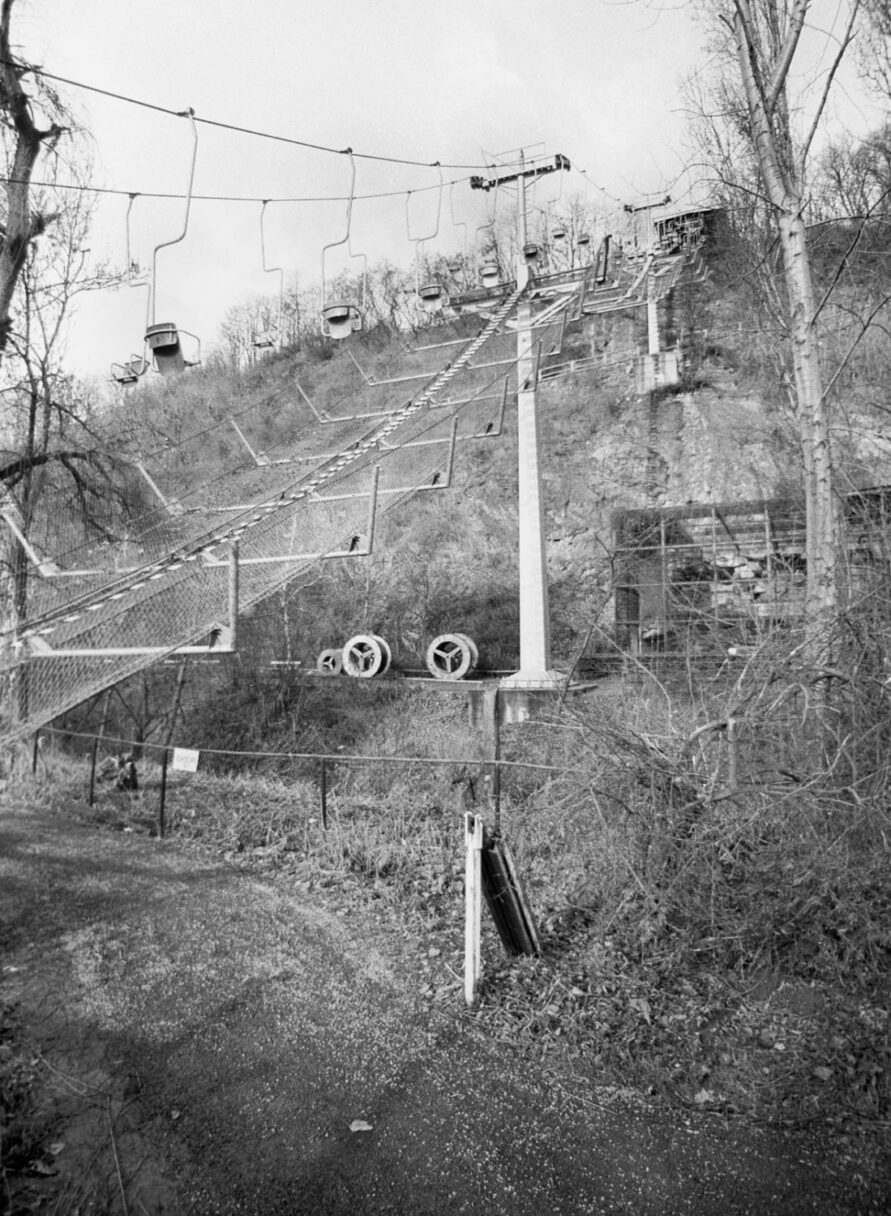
152,572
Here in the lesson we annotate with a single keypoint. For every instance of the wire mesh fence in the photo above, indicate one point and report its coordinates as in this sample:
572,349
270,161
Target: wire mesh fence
163,571
157,772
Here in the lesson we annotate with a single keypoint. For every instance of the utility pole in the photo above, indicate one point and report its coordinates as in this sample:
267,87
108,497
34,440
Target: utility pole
535,633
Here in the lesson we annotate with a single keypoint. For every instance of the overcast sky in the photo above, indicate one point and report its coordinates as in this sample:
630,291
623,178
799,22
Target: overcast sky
454,81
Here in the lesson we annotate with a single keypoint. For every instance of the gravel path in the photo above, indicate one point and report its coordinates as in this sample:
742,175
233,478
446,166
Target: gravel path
205,1040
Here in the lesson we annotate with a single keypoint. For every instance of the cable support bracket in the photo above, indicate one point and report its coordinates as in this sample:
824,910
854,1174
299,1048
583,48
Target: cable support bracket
478,182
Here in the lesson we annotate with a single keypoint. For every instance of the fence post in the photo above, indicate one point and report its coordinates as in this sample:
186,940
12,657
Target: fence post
91,798
35,752
162,823
473,840
496,761
732,755
96,741
323,792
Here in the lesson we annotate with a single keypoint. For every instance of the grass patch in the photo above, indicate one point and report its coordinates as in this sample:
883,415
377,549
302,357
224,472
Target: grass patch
24,1125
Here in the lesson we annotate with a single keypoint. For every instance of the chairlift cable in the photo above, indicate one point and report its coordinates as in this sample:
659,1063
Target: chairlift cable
221,198
225,126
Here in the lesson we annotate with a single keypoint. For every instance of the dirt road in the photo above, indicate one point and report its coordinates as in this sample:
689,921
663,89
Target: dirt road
204,1041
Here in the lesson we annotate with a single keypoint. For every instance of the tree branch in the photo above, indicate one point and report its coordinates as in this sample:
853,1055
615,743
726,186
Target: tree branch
843,261
781,70
845,43
864,327
16,469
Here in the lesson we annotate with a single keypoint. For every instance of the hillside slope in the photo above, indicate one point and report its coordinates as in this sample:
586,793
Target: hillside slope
443,561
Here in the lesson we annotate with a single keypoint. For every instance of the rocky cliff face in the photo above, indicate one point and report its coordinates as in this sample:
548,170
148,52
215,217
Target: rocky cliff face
448,562
607,449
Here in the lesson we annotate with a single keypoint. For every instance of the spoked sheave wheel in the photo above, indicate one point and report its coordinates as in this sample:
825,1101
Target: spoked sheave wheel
451,656
366,655
330,662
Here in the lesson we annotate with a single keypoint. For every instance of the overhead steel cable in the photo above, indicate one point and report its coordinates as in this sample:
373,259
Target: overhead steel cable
226,126
222,198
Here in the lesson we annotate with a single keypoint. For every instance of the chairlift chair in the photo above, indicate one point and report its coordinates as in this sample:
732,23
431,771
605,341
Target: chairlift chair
162,337
138,365
344,317
266,339
601,266
430,293
458,264
489,272
273,336
553,229
583,248
430,296
340,318
129,372
531,251
163,340
552,221
489,276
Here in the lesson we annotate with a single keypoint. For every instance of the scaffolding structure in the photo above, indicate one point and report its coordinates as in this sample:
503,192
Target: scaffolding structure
711,575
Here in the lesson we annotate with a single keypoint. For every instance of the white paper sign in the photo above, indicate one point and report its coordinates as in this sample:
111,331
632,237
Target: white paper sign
185,759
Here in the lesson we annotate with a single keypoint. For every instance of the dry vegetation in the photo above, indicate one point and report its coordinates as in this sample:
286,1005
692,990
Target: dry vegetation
715,934
722,947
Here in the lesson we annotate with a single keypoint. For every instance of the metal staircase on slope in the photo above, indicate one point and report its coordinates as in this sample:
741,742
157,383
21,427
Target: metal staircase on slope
97,639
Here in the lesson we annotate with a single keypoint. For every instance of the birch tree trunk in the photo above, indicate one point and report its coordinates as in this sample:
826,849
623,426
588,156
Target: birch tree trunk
764,73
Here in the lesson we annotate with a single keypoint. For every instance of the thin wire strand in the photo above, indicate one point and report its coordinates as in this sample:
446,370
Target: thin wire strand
225,126
344,757
222,198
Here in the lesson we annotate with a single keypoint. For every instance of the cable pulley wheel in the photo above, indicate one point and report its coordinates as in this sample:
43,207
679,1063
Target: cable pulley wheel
388,654
366,655
450,656
330,662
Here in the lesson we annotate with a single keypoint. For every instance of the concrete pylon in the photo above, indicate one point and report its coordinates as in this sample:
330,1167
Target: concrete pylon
652,314
535,629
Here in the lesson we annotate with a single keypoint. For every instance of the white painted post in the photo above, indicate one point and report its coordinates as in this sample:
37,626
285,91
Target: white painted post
652,314
733,756
233,594
473,893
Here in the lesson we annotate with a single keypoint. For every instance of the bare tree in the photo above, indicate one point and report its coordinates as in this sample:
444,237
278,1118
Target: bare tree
52,449
874,57
48,417
764,39
24,139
